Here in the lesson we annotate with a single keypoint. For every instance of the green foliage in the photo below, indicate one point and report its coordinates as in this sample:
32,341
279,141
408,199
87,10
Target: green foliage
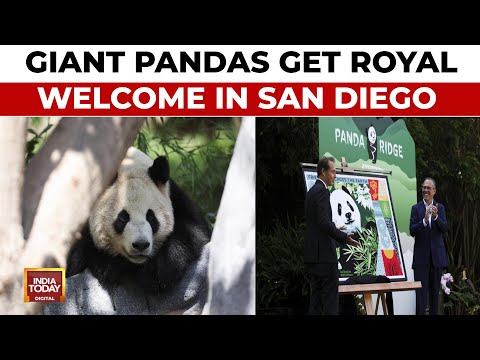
463,299
364,255
141,141
199,152
281,273
282,144
38,139
448,149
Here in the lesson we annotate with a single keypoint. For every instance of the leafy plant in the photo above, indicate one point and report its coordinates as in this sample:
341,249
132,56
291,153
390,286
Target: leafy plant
455,165
281,273
463,299
199,152
141,141
364,255
34,144
278,171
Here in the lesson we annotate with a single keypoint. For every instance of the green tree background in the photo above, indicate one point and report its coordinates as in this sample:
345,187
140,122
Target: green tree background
447,149
199,151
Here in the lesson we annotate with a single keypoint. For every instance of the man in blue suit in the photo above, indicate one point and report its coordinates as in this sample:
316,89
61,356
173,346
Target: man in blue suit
428,223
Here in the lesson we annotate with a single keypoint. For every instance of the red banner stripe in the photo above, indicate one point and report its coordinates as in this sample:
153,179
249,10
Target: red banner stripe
240,99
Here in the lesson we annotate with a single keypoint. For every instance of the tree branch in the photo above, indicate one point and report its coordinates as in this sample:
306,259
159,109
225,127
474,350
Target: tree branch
12,147
66,177
61,184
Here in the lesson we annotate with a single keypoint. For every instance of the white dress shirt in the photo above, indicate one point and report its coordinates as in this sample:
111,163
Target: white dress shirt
429,216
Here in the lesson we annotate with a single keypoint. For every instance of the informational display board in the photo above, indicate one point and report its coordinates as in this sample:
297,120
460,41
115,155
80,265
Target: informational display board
362,205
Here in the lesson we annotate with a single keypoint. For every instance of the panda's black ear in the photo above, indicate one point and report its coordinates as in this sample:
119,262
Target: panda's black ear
344,188
160,170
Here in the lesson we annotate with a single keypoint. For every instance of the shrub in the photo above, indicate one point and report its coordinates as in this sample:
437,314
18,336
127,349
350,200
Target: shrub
281,273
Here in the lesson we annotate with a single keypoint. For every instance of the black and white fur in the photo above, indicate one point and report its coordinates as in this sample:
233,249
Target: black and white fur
144,230
345,212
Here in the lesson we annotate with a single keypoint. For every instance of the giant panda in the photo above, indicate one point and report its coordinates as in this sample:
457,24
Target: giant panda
345,215
143,250
345,212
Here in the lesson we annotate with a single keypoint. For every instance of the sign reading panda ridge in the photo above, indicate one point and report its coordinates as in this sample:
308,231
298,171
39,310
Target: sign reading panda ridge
362,204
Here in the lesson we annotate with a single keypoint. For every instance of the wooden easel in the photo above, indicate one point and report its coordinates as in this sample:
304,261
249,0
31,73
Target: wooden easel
367,290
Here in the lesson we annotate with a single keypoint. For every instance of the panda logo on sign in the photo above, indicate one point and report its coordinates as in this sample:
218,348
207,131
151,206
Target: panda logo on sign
345,212
372,144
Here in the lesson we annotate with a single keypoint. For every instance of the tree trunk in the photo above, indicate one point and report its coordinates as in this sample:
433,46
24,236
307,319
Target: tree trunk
61,184
12,146
232,249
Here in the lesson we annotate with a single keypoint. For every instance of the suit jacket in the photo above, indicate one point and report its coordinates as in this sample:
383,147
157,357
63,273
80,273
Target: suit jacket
321,234
429,243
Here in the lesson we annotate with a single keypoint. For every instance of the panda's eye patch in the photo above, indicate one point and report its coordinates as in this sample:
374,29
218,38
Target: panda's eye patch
152,219
123,216
121,221
350,206
339,209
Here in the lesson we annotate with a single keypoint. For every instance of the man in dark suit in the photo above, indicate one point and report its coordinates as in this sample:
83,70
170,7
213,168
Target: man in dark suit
320,242
428,223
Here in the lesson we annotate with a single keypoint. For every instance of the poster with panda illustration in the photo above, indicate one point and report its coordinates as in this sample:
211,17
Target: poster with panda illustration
362,205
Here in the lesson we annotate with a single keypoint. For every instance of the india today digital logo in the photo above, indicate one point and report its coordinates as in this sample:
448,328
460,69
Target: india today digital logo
44,285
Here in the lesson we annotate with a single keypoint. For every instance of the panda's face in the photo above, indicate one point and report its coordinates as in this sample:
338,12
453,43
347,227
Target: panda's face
372,134
132,219
344,210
